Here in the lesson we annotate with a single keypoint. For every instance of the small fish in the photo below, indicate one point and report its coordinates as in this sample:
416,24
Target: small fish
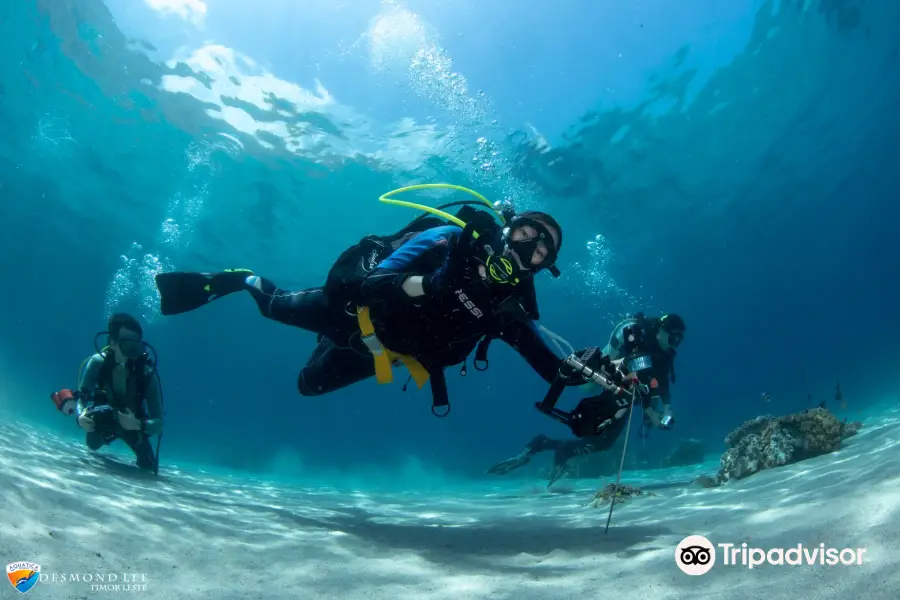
766,397
839,396
808,400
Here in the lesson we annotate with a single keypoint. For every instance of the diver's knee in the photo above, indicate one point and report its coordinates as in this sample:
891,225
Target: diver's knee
94,440
304,386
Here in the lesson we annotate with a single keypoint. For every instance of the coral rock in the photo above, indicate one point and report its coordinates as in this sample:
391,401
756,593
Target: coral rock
625,492
767,441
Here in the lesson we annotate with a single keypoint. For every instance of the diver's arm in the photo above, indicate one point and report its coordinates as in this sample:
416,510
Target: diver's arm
523,337
664,390
394,279
153,397
88,380
659,404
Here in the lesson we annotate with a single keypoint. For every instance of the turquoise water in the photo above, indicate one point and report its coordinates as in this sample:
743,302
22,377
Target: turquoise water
732,161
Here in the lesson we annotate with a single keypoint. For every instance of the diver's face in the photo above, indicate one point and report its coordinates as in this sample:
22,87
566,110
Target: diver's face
667,339
541,252
129,345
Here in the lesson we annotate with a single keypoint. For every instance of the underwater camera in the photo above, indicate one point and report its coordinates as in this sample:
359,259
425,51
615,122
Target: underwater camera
100,412
593,414
103,416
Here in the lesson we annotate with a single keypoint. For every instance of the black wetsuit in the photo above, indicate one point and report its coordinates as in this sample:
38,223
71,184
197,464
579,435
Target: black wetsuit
438,329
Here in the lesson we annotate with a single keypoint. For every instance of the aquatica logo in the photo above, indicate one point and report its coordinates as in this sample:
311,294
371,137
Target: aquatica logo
695,555
23,575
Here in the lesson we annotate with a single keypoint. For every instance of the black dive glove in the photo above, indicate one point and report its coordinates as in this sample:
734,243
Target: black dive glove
459,273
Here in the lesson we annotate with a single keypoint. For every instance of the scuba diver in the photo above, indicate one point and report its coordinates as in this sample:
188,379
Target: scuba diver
118,394
424,297
649,346
644,347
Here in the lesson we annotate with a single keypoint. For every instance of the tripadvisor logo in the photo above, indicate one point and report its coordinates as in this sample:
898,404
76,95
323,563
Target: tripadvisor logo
696,555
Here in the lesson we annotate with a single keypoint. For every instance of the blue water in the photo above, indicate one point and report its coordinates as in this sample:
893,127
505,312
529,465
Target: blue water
731,161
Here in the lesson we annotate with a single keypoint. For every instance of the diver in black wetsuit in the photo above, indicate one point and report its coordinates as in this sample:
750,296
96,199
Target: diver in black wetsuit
425,297
648,347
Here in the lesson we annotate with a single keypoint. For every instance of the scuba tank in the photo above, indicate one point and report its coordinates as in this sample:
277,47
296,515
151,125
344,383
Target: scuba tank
342,285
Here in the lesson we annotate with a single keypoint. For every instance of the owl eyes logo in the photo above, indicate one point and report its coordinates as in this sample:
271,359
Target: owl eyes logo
695,555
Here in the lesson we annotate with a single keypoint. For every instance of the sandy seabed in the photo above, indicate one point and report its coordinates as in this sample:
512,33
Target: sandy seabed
195,534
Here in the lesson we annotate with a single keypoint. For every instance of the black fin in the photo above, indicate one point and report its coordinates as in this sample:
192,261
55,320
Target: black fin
181,292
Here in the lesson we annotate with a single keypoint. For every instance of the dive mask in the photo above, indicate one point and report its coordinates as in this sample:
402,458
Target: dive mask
131,348
504,269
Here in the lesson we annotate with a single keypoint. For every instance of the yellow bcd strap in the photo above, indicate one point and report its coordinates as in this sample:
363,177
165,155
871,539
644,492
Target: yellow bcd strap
384,358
